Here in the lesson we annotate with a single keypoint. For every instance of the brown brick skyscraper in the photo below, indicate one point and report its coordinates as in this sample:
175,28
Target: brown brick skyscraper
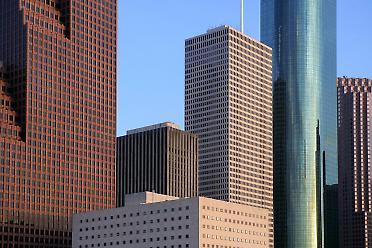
355,164
57,116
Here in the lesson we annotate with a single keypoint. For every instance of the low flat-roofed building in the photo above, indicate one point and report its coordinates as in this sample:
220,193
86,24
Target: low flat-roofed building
157,221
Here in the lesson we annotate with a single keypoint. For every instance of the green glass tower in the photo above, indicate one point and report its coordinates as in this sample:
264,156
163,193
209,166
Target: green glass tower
302,34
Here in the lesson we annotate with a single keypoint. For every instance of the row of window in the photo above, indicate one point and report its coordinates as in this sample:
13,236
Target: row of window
104,236
136,223
234,239
235,212
135,214
119,244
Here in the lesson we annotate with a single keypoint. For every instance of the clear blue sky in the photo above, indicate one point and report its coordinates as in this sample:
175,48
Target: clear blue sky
151,50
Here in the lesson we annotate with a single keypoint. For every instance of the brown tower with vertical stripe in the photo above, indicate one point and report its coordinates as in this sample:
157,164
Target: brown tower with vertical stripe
355,144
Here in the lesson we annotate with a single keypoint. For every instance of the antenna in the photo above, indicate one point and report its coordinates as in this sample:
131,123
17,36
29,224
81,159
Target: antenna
242,16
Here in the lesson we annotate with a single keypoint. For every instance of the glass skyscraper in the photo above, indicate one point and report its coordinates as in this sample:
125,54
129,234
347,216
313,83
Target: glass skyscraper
302,34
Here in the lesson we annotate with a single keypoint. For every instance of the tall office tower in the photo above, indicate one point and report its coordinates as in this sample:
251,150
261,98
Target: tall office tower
159,158
355,144
228,104
57,145
302,34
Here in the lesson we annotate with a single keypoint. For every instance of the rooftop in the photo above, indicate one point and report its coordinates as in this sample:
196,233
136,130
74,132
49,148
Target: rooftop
223,27
153,127
147,198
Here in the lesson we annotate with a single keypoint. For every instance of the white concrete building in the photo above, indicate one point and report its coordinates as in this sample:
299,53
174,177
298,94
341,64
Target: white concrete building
156,221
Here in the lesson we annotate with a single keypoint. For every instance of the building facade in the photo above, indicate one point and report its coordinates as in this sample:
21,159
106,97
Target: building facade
58,125
355,144
228,105
302,34
159,158
152,220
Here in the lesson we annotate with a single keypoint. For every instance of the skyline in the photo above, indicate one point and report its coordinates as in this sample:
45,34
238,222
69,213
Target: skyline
259,115
161,76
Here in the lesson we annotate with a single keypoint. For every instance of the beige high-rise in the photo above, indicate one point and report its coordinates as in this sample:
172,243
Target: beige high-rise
228,103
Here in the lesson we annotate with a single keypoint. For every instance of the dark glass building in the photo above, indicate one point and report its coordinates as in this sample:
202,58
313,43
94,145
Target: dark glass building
159,158
331,213
302,34
57,116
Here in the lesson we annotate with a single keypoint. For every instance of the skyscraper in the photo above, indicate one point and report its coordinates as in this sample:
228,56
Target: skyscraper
158,158
57,146
228,103
302,34
355,144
